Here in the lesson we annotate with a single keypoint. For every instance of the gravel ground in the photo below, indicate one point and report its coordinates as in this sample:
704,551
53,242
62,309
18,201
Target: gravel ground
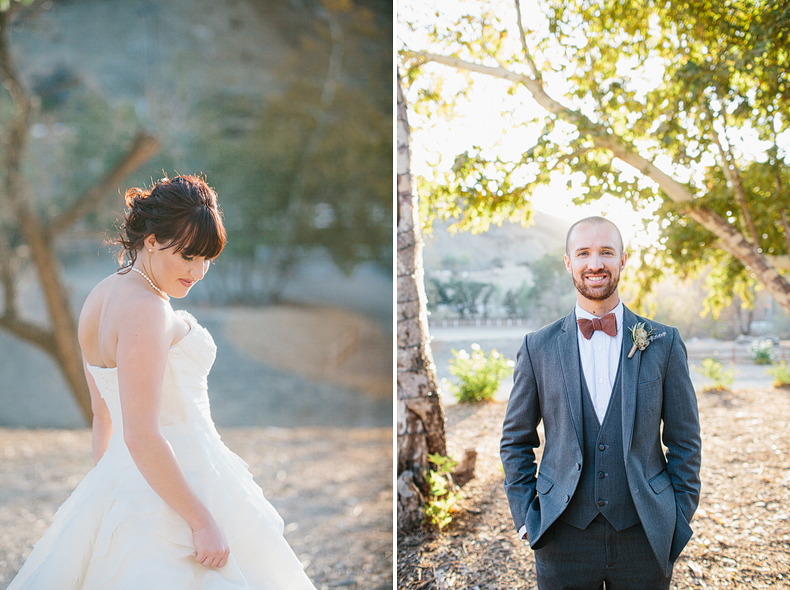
742,528
332,486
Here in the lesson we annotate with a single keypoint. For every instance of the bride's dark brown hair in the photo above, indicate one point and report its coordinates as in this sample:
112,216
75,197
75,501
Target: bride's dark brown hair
181,212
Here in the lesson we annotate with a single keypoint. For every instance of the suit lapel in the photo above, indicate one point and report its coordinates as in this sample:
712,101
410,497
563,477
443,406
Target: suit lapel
629,378
568,350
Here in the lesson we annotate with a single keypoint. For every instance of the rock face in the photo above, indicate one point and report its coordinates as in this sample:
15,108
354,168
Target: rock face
502,255
164,56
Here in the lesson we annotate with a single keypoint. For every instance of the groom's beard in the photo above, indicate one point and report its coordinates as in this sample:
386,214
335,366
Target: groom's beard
599,292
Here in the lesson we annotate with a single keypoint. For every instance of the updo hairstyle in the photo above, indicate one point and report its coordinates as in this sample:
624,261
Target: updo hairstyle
182,213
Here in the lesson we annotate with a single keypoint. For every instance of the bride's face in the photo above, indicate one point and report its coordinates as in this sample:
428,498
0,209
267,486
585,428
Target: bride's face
172,271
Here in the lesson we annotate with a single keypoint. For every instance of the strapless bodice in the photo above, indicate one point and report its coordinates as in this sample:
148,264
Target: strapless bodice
184,402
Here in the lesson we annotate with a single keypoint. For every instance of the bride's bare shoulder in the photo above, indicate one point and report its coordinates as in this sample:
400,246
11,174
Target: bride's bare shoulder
102,297
117,302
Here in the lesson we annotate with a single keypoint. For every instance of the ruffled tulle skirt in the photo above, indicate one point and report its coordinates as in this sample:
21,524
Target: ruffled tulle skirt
115,533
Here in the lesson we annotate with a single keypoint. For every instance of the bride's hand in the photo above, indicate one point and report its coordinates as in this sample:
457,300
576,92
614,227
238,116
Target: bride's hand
211,546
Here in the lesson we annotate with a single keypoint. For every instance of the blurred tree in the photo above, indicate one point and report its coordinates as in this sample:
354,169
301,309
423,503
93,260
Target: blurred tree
29,228
312,168
462,295
658,98
547,296
517,301
550,297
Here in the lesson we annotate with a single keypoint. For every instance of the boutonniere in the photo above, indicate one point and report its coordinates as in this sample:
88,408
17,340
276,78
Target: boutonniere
642,337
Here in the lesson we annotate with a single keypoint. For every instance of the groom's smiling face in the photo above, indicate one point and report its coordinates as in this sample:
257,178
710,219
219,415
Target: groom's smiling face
595,257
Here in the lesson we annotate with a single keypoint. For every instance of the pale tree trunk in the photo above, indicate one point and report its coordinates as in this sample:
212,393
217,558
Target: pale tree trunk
420,411
60,340
731,239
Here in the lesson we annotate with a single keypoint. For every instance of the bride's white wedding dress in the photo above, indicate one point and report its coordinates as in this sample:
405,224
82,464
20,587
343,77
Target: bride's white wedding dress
115,533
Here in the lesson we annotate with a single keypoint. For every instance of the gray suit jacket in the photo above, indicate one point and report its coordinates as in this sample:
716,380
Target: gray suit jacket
658,403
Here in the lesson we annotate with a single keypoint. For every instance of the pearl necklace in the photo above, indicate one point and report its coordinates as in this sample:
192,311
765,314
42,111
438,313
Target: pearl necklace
150,282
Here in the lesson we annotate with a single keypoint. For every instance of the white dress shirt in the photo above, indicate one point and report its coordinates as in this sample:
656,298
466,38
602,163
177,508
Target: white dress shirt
600,356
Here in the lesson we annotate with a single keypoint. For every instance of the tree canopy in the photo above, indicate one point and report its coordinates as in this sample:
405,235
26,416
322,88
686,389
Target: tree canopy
675,107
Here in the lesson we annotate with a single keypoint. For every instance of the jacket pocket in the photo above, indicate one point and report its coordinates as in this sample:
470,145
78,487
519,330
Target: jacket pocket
660,482
648,385
544,484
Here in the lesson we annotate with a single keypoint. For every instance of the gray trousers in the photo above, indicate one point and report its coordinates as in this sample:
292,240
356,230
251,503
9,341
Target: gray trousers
597,557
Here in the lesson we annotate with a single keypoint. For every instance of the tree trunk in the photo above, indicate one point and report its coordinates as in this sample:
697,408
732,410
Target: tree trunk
420,411
61,340
64,330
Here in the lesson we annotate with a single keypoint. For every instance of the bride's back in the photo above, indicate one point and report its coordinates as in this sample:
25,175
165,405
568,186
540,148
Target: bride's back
101,319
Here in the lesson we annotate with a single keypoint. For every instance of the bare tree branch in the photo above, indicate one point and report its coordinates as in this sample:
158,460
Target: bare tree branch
733,176
143,148
780,262
30,332
16,135
7,278
600,135
527,55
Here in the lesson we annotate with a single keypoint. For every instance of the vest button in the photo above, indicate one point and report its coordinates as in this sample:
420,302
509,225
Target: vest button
601,447
578,466
601,475
601,502
567,499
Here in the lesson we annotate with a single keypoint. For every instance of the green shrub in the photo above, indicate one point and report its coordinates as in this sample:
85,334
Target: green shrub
762,351
443,494
479,375
781,374
722,378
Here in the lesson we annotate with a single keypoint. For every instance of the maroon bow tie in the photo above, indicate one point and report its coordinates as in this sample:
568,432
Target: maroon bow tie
608,324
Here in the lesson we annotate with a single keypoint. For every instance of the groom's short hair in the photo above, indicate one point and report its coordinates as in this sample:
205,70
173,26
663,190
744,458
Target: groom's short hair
595,220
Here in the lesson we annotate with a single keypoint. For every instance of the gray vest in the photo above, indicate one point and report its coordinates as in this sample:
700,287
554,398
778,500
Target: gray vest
603,487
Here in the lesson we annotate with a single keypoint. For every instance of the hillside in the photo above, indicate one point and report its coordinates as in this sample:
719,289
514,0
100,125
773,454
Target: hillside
502,255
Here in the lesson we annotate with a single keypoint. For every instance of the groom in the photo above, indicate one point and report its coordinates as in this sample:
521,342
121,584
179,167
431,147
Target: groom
607,505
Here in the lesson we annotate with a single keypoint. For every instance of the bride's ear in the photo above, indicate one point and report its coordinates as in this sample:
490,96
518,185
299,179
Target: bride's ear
149,242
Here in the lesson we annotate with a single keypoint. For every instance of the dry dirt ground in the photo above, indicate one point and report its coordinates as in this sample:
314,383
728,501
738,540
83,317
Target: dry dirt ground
322,343
332,486
742,528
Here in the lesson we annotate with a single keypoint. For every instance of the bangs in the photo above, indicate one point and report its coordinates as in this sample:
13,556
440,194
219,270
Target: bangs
204,235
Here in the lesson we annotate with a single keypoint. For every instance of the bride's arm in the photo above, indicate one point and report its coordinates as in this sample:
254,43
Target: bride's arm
143,346
102,423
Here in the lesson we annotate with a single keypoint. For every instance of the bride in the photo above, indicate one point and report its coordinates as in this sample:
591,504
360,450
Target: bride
167,505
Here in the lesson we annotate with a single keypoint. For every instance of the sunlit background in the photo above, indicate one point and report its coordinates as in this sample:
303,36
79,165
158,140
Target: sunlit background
493,286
